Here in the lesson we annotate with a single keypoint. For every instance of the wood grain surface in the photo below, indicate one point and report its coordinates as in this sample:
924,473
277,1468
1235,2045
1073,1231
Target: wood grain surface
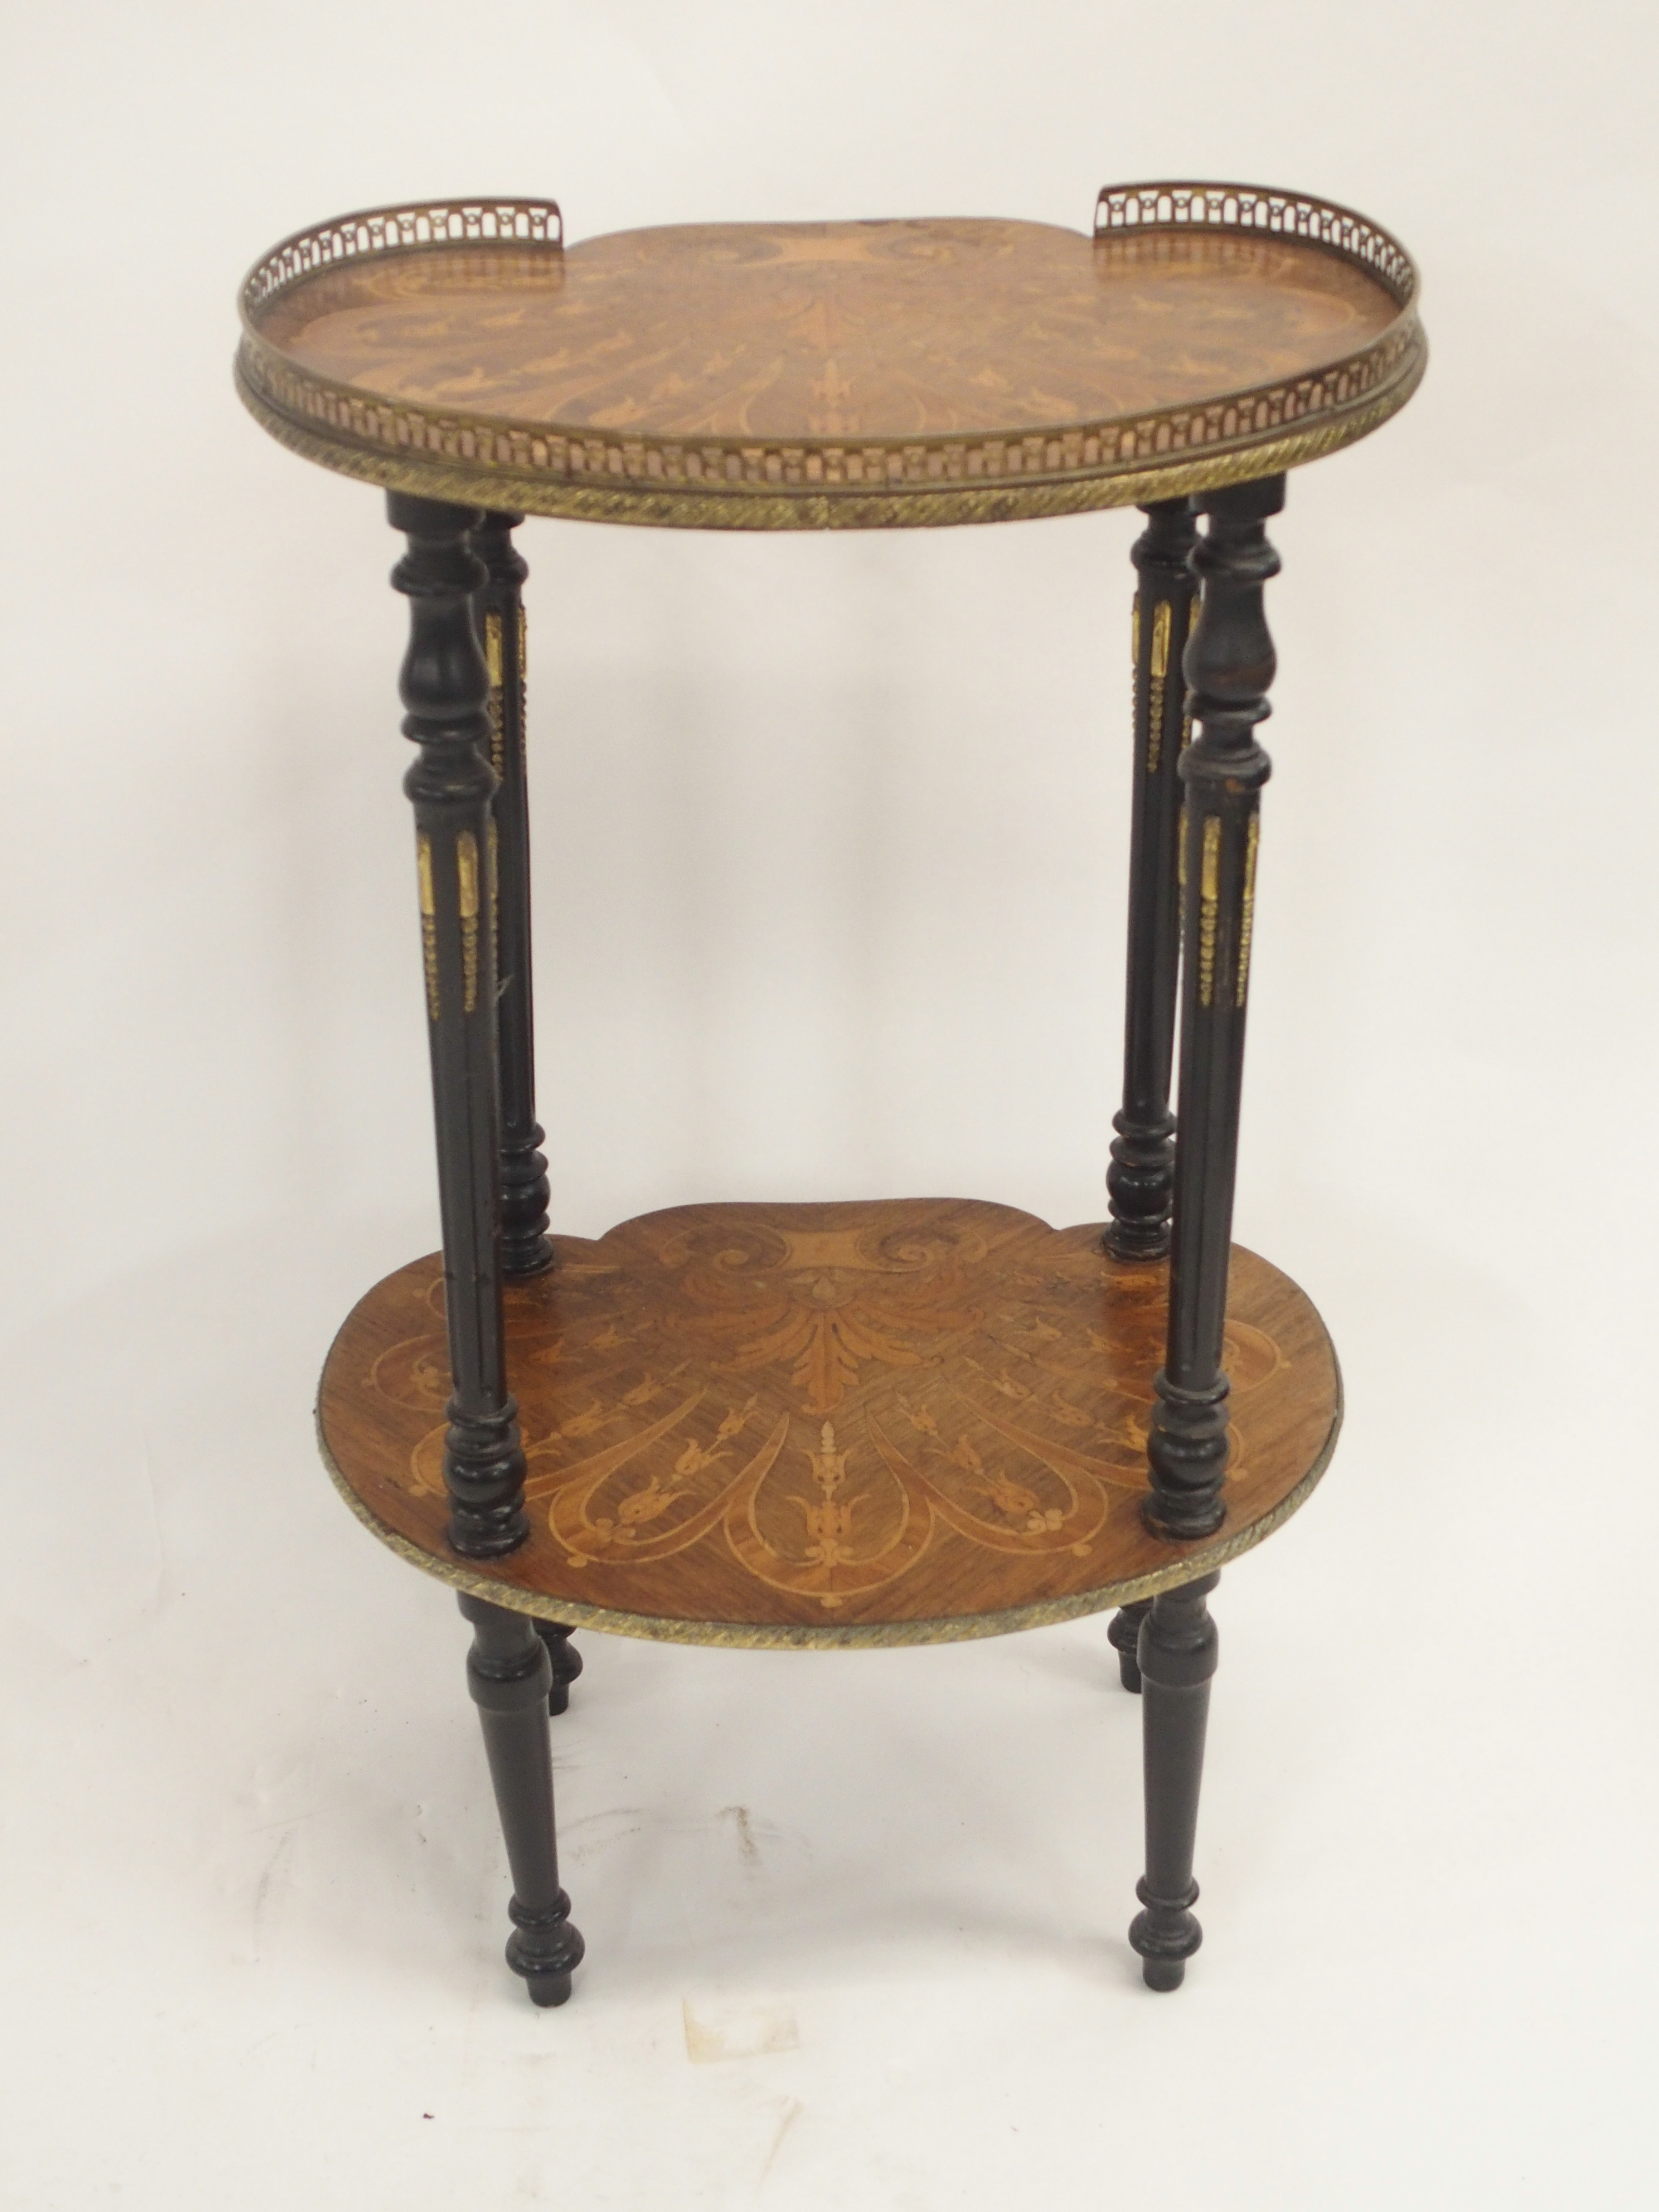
833,375
899,1421
969,328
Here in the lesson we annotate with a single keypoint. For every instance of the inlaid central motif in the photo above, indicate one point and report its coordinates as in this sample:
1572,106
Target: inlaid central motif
946,327
819,1397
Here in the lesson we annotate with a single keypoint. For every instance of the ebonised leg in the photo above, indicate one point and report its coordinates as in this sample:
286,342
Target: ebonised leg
499,610
1177,1659
1141,1178
564,1659
1229,667
508,1674
1140,1181
1124,1637
446,689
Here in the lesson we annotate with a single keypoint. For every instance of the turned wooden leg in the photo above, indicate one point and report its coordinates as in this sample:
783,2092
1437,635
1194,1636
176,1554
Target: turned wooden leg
564,1659
508,1673
1140,1180
445,688
1177,1659
1229,667
1124,1637
499,610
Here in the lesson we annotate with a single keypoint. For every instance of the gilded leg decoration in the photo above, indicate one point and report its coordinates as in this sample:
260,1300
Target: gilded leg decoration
446,687
1229,667
525,1246
1141,1178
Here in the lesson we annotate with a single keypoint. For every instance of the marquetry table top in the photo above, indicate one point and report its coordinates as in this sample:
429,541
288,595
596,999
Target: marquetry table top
902,1422
806,375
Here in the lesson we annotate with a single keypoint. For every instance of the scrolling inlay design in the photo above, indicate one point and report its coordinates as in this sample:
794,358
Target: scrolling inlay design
846,363
823,1412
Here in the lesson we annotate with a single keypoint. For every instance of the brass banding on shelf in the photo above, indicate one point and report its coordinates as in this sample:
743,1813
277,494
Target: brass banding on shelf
830,1424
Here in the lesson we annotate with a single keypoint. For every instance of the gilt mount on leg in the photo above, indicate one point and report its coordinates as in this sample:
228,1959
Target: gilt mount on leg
498,603
1229,667
445,688
1140,1180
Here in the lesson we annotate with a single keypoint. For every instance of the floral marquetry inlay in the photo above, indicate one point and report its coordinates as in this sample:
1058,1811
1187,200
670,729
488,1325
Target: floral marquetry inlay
895,1418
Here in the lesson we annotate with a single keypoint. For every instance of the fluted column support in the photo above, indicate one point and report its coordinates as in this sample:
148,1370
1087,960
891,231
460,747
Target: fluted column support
1140,1181
499,610
1229,667
445,686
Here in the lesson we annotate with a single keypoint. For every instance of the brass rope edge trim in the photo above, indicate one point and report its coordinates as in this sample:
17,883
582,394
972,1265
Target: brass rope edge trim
876,1636
304,396
309,399
652,505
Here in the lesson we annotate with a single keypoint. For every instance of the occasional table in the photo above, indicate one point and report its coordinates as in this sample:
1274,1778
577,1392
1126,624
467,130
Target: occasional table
858,1423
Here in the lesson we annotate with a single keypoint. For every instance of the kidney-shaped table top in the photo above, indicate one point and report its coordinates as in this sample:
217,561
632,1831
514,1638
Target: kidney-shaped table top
804,375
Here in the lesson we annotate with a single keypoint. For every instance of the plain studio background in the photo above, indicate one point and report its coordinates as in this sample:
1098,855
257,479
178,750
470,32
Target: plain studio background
830,838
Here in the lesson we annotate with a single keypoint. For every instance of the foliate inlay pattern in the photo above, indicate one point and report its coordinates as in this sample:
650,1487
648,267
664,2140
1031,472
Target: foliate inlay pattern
825,1413
1032,361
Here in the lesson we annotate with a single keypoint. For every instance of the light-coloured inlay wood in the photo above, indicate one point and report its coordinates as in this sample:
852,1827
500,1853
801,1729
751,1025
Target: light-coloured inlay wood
828,1416
832,331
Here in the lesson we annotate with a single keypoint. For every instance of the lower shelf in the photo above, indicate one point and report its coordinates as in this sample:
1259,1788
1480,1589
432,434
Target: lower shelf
902,1422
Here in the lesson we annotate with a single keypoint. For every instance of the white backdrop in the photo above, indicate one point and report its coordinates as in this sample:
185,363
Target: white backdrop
831,839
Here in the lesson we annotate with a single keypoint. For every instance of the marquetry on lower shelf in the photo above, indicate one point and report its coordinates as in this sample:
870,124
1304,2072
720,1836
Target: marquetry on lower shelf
903,1422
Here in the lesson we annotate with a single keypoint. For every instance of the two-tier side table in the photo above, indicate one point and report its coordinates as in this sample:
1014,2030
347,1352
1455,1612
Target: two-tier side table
892,1423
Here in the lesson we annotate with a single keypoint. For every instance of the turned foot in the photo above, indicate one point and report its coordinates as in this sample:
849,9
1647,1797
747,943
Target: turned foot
567,1663
511,1681
1124,1637
545,1948
1177,1658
